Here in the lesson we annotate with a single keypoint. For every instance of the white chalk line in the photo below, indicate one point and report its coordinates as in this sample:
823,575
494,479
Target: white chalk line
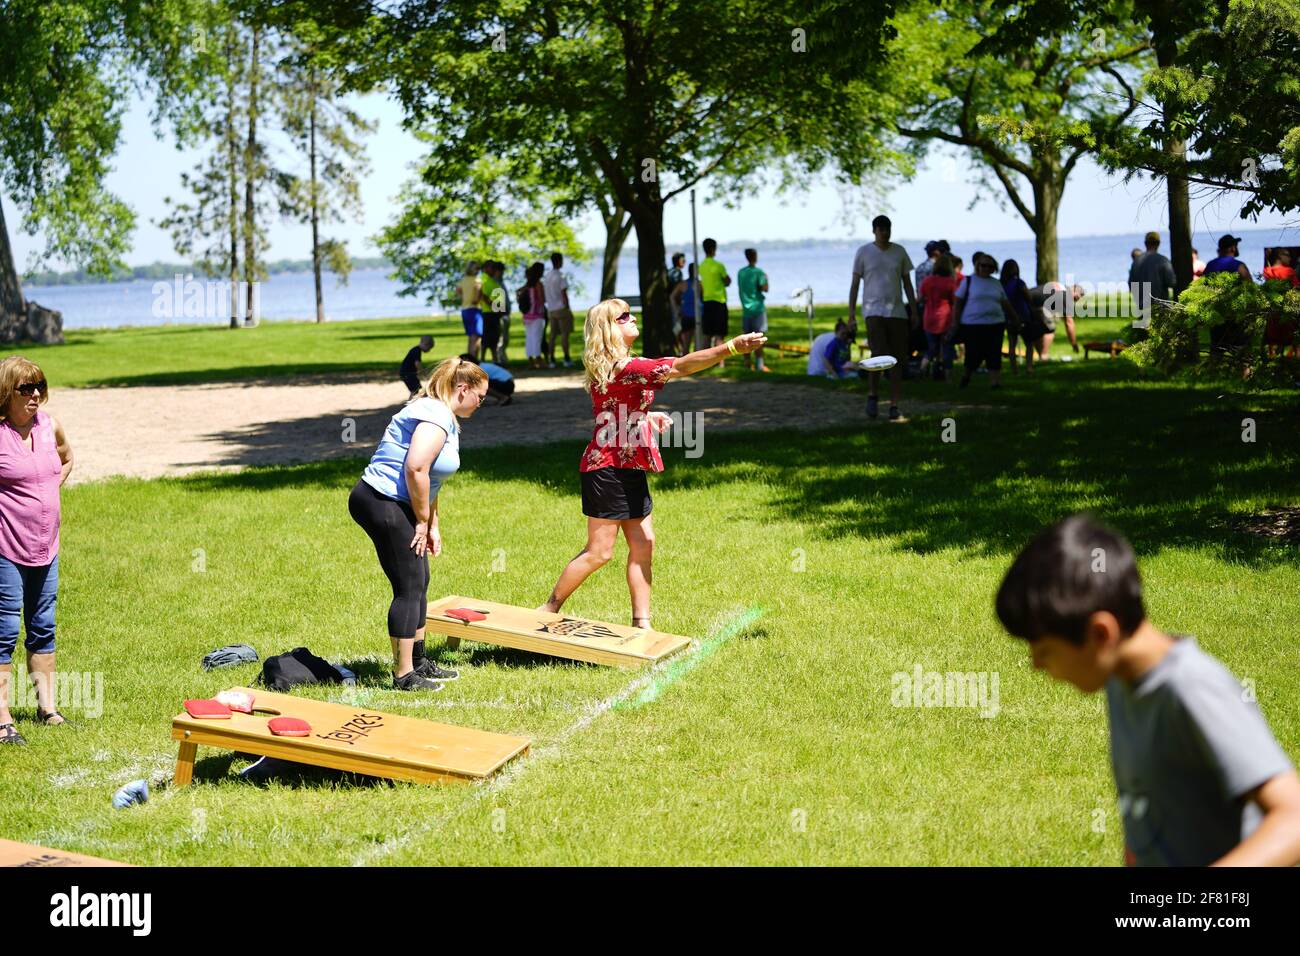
514,771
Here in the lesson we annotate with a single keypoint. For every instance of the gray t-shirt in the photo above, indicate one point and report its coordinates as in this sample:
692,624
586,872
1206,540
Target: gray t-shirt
1186,744
1154,276
882,272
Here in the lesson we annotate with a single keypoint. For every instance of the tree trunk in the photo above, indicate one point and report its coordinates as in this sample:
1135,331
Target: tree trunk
1047,205
232,163
315,214
250,186
617,227
656,319
1180,207
13,306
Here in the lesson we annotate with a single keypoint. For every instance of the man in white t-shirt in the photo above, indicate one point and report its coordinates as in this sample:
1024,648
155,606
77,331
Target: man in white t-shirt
555,289
883,267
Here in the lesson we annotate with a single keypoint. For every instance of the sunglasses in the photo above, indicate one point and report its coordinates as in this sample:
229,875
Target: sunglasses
31,388
624,318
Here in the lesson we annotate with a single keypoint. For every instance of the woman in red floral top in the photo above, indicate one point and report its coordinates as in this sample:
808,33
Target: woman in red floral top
622,448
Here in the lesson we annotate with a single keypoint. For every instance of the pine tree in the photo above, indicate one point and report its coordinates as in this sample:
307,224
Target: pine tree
328,134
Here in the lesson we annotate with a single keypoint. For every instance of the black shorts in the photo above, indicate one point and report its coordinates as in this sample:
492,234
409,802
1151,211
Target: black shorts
615,493
1033,329
503,388
411,381
715,318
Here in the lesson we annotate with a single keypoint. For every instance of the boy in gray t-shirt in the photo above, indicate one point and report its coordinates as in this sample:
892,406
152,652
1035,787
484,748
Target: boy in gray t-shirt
1201,779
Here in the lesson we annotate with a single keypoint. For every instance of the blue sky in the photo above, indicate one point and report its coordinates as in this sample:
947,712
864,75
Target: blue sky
934,202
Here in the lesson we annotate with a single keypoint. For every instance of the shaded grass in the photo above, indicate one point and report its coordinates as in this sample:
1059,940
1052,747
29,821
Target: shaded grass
870,550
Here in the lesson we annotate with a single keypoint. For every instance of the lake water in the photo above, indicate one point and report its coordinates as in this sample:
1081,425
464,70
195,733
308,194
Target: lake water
371,294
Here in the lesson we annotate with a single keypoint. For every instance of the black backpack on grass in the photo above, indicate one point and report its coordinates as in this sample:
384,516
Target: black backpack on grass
299,666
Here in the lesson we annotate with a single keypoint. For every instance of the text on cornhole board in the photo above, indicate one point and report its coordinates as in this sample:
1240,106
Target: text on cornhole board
556,635
357,739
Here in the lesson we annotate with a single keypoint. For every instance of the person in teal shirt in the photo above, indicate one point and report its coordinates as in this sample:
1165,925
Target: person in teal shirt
753,309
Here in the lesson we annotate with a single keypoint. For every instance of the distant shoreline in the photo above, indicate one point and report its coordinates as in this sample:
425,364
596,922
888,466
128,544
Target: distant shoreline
156,271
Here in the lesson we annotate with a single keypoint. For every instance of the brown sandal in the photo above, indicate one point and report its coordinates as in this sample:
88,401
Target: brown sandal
9,735
45,718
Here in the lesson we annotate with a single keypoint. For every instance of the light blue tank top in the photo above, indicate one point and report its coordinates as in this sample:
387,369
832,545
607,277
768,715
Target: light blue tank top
386,472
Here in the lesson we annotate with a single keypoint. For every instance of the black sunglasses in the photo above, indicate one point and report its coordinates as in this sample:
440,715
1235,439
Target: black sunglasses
31,388
624,318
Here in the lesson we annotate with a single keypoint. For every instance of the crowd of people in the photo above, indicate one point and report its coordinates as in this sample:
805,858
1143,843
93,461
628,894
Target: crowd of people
933,317
924,312
543,300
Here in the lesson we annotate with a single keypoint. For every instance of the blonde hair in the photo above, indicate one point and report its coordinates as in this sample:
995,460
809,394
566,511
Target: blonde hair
15,371
603,352
449,375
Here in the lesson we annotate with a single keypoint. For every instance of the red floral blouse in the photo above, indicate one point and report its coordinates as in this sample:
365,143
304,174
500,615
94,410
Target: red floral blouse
622,437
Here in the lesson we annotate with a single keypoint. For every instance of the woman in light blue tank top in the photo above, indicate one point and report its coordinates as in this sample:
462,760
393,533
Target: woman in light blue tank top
396,503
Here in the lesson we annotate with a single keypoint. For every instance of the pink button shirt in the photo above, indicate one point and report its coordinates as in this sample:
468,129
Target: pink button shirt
29,493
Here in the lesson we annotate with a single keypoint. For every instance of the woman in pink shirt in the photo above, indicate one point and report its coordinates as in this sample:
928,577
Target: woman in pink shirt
35,460
937,292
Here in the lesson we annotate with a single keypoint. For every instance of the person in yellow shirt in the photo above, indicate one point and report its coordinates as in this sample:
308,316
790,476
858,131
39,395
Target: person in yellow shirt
713,290
471,312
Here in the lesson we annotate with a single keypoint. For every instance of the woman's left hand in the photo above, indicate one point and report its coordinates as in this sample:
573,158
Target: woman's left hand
435,541
749,342
660,421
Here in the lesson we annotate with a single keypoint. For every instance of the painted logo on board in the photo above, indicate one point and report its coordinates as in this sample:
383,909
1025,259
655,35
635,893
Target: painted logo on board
361,725
576,627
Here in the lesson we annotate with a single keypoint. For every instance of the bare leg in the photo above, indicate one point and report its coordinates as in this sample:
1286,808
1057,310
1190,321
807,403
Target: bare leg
601,533
895,382
1045,344
6,690
640,536
40,668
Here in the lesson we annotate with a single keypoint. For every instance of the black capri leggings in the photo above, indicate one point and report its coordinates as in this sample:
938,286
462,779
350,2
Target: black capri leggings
983,344
391,526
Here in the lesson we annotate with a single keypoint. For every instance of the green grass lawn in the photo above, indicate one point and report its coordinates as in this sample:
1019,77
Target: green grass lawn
180,354
814,566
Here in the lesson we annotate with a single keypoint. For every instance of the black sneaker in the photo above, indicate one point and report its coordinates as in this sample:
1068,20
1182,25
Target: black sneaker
413,680
894,414
873,406
431,671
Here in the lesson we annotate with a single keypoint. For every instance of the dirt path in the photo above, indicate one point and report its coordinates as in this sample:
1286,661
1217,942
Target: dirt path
151,431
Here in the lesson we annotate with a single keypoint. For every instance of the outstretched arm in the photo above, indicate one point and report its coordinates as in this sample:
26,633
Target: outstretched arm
706,358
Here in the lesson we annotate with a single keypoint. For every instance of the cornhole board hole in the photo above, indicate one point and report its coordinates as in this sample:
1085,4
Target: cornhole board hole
356,739
557,635
30,855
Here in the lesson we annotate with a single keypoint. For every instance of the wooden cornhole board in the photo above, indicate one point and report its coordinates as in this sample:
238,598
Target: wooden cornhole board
356,739
557,635
30,855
